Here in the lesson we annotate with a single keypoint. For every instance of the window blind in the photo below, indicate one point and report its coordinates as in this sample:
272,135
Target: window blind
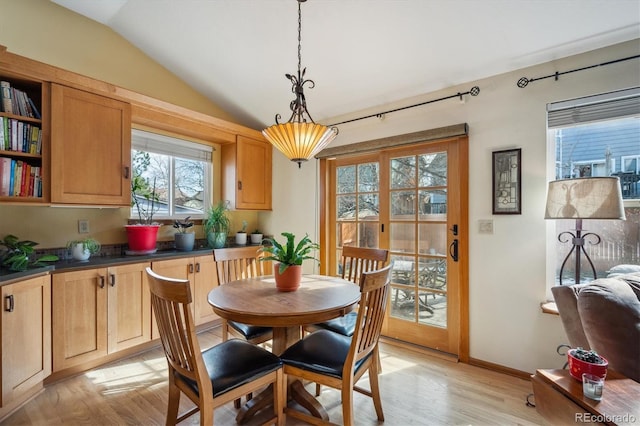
166,145
618,104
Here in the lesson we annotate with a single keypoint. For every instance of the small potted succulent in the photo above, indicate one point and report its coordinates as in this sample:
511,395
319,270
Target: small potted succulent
184,239
84,248
256,237
287,258
241,235
586,361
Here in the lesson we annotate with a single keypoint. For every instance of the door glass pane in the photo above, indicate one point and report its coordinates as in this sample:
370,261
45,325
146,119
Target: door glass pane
403,205
368,207
402,287
432,309
432,238
402,237
403,172
368,235
432,169
345,179
345,207
346,234
368,177
433,204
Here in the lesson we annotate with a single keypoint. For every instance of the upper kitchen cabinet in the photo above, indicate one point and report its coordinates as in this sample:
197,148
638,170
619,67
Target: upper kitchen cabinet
90,148
246,173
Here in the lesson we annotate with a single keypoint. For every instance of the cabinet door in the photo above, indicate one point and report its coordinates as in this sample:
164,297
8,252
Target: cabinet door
183,269
79,320
90,148
247,173
206,279
26,336
129,306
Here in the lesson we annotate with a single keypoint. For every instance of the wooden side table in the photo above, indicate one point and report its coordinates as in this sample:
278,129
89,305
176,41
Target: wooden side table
560,401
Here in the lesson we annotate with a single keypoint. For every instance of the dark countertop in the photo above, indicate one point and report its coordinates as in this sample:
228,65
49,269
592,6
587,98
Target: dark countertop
65,265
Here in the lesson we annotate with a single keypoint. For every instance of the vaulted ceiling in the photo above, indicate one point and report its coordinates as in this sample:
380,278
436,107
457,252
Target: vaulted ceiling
360,53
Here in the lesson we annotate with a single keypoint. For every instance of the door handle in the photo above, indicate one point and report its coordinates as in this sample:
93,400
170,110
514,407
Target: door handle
453,250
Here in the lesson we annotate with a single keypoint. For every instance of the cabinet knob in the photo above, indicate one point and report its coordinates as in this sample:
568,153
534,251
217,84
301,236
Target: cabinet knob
126,172
239,185
113,280
198,267
101,281
191,268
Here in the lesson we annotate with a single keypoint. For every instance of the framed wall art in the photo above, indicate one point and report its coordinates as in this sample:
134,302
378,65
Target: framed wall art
507,195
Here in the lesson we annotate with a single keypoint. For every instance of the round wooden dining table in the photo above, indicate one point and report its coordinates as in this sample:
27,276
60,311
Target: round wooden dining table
256,301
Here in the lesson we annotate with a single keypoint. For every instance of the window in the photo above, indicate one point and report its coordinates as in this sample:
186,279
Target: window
179,169
599,136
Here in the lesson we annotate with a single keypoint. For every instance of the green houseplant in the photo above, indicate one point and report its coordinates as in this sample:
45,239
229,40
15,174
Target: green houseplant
142,237
18,254
184,240
84,248
217,224
288,259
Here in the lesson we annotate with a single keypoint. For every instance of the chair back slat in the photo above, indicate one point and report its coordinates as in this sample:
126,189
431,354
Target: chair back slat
357,260
237,263
374,290
171,303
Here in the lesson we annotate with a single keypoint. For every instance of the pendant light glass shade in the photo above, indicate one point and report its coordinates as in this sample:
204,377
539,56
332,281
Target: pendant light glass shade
299,141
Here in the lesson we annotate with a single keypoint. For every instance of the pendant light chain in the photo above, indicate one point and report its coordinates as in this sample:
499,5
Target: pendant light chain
299,38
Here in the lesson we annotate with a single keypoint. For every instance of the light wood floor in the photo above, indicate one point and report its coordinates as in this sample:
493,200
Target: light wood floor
416,389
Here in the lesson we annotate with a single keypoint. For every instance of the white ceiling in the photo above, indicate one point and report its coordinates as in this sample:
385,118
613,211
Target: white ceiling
360,53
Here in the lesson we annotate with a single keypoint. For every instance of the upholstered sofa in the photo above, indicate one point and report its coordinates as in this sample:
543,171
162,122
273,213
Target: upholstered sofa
604,315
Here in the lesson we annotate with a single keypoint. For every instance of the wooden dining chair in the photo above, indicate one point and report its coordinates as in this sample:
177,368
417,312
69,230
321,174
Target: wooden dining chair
235,264
218,375
354,262
338,361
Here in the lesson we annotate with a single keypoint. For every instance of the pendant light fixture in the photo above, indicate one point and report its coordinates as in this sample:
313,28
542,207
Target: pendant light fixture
300,138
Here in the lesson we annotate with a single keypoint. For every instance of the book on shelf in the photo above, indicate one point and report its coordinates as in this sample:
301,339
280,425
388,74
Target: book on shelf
6,168
5,91
3,144
34,108
7,133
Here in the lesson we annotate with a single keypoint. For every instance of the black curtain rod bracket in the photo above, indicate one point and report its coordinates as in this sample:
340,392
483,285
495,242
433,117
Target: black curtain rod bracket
524,81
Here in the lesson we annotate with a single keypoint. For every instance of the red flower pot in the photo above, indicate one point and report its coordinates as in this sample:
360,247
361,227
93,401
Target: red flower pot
578,366
142,238
290,279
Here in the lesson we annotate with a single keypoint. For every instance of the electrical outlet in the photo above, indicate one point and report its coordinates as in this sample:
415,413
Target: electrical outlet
83,226
485,226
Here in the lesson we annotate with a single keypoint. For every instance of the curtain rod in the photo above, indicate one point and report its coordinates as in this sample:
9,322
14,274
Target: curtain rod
523,81
474,91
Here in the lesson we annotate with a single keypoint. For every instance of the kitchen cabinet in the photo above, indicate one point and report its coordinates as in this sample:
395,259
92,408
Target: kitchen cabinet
26,339
246,173
201,273
99,311
90,148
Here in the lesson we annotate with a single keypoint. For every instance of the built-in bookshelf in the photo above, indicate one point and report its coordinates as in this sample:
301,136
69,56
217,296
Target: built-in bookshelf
21,140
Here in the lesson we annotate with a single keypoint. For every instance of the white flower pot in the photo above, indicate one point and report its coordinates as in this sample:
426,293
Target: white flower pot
78,252
241,238
256,238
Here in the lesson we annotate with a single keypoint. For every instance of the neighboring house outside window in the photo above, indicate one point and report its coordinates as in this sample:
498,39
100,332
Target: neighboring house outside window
181,171
588,141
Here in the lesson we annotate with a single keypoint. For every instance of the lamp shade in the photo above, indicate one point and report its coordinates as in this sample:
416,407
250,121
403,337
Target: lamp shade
585,198
299,141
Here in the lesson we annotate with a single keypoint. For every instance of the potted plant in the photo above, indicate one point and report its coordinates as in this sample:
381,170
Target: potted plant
586,361
184,240
288,259
256,237
18,254
217,224
142,236
241,235
84,248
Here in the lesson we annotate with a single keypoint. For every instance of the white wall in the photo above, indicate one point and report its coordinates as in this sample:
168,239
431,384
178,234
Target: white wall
508,268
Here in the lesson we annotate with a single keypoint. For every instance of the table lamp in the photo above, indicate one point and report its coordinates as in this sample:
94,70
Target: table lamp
583,198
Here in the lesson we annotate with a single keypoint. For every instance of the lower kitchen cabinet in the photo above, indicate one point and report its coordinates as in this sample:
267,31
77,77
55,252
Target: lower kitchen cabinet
201,273
100,311
26,339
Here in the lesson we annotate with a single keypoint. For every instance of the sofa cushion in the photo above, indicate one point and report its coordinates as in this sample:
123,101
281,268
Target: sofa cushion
566,298
610,312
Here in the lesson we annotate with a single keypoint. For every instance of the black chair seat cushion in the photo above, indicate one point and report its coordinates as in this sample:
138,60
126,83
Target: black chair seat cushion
322,351
249,331
345,325
233,363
